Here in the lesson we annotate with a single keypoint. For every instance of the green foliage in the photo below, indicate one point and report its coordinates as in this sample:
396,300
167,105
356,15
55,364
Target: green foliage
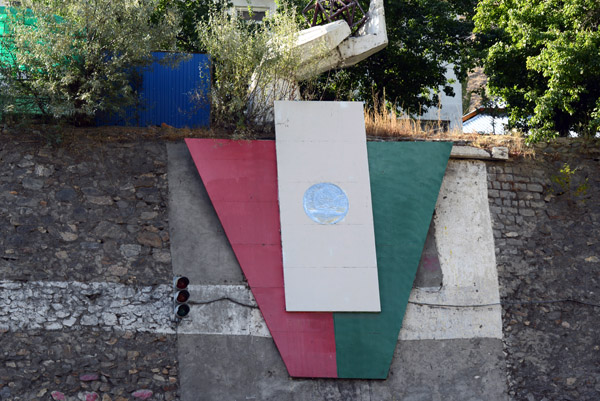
424,37
542,57
564,180
70,59
191,13
246,52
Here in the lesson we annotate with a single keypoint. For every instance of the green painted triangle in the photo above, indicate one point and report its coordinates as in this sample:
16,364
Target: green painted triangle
405,182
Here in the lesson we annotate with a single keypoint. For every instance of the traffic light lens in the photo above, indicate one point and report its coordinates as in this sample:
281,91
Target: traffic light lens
182,310
182,296
182,282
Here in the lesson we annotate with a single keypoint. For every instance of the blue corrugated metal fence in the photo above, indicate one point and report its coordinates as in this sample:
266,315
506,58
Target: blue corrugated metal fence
176,96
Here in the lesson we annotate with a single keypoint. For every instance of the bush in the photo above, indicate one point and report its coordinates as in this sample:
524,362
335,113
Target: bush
244,52
70,59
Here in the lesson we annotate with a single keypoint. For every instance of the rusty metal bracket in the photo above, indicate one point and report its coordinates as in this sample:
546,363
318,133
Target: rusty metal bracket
321,12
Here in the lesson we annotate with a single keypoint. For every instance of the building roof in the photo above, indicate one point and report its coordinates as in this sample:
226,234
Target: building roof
485,121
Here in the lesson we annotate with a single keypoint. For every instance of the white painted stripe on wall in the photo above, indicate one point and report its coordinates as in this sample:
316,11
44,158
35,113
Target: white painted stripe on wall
58,305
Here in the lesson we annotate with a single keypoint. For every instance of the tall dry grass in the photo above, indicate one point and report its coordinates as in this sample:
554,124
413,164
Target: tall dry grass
383,122
386,124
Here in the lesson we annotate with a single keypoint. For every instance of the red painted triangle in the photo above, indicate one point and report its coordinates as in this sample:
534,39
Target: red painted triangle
241,180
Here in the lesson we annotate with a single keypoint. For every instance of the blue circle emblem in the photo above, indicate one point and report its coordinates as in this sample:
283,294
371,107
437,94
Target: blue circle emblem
325,203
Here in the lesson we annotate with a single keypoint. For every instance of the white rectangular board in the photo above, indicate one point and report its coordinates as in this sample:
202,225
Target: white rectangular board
328,240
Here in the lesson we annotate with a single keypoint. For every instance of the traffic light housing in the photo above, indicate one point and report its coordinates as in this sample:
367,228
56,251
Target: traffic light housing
181,296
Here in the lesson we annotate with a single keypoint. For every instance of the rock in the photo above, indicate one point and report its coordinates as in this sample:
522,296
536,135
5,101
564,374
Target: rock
68,236
554,315
53,326
117,270
130,251
5,393
105,229
66,195
61,255
571,381
161,256
149,239
33,183
148,215
592,259
535,188
109,318
58,396
26,162
500,152
545,229
88,377
469,152
142,394
89,320
91,396
43,171
100,200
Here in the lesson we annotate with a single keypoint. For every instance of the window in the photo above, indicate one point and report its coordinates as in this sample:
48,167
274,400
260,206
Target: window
252,13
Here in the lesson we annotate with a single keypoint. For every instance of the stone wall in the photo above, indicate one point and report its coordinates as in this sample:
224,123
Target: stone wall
85,272
547,239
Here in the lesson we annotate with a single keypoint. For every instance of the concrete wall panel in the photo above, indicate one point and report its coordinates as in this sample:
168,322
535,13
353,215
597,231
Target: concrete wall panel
327,267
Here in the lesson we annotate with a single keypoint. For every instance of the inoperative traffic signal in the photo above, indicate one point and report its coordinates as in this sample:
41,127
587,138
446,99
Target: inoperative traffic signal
181,296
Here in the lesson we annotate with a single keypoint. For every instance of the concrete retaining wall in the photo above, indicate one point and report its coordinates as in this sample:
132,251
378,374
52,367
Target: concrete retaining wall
85,273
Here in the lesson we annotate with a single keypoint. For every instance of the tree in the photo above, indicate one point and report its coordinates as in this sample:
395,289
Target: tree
70,59
425,36
253,65
191,13
542,57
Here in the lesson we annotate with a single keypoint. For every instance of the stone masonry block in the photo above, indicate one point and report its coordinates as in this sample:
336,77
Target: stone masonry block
520,178
495,210
505,177
508,195
526,212
535,188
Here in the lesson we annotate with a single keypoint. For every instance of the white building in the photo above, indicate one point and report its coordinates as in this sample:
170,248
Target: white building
449,112
254,9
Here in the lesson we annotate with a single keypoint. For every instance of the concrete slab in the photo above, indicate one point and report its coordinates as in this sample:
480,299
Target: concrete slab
327,234
199,246
465,250
219,367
